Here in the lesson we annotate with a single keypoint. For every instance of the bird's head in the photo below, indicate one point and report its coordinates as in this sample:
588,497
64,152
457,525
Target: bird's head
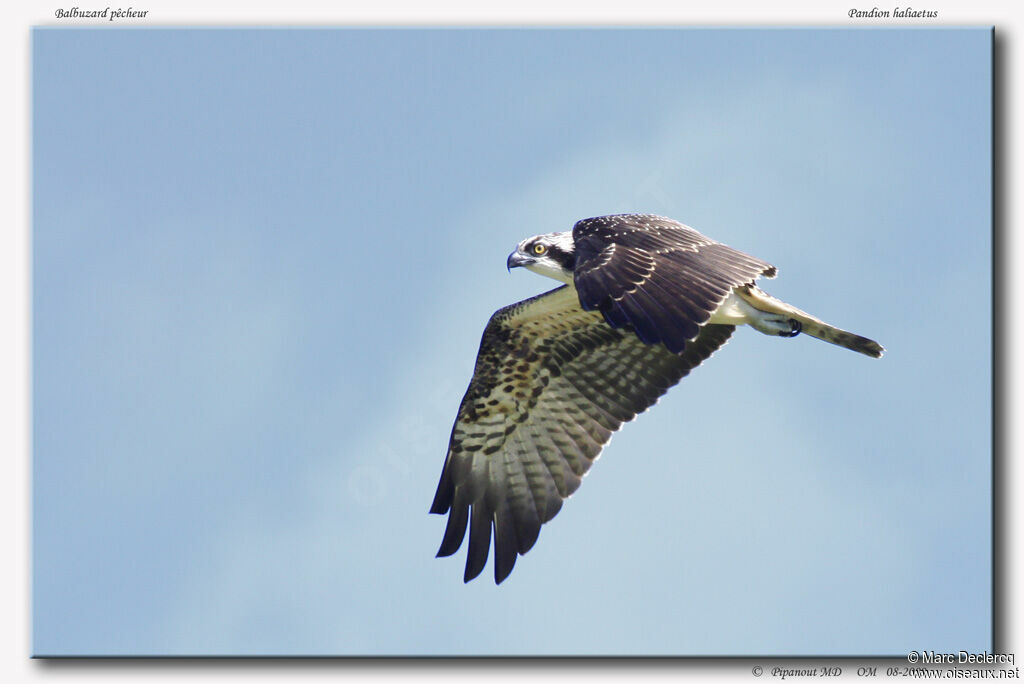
552,255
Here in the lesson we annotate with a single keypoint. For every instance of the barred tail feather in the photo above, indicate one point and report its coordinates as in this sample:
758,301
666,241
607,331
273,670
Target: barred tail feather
762,301
828,333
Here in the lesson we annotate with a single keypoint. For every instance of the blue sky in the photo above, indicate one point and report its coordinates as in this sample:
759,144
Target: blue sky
262,261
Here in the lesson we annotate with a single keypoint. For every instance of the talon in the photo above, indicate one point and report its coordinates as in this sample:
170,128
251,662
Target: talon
797,327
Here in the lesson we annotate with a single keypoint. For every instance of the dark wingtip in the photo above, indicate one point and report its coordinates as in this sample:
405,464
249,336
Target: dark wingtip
445,493
471,573
504,562
479,541
455,530
501,573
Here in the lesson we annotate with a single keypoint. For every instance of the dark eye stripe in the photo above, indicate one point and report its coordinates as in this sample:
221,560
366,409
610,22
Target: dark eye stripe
565,259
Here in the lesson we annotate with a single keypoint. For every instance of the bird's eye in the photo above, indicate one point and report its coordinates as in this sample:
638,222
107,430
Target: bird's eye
539,249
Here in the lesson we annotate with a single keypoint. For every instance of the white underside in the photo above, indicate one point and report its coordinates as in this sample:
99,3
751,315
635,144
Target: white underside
735,310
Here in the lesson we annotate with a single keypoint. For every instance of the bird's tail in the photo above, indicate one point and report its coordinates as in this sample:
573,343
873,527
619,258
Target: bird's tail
762,301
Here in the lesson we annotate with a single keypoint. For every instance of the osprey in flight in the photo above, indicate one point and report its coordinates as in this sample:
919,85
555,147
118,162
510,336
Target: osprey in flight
645,300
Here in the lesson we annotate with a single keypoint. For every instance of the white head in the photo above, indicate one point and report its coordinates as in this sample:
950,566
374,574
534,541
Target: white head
552,255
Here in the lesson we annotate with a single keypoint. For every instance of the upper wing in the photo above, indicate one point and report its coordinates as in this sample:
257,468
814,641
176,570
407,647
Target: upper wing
551,384
656,276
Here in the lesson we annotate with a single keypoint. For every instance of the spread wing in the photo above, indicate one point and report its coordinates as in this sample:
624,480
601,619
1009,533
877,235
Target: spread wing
656,276
552,383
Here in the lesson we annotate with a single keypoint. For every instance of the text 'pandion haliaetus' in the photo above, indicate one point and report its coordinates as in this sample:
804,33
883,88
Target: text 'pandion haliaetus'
645,300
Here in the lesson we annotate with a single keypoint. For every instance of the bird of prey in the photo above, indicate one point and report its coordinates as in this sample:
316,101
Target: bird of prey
645,300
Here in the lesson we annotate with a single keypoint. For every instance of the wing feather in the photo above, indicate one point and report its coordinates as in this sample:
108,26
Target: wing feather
455,530
552,383
506,543
655,276
521,497
479,540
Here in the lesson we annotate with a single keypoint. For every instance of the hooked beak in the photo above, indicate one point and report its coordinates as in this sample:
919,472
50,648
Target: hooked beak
517,258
